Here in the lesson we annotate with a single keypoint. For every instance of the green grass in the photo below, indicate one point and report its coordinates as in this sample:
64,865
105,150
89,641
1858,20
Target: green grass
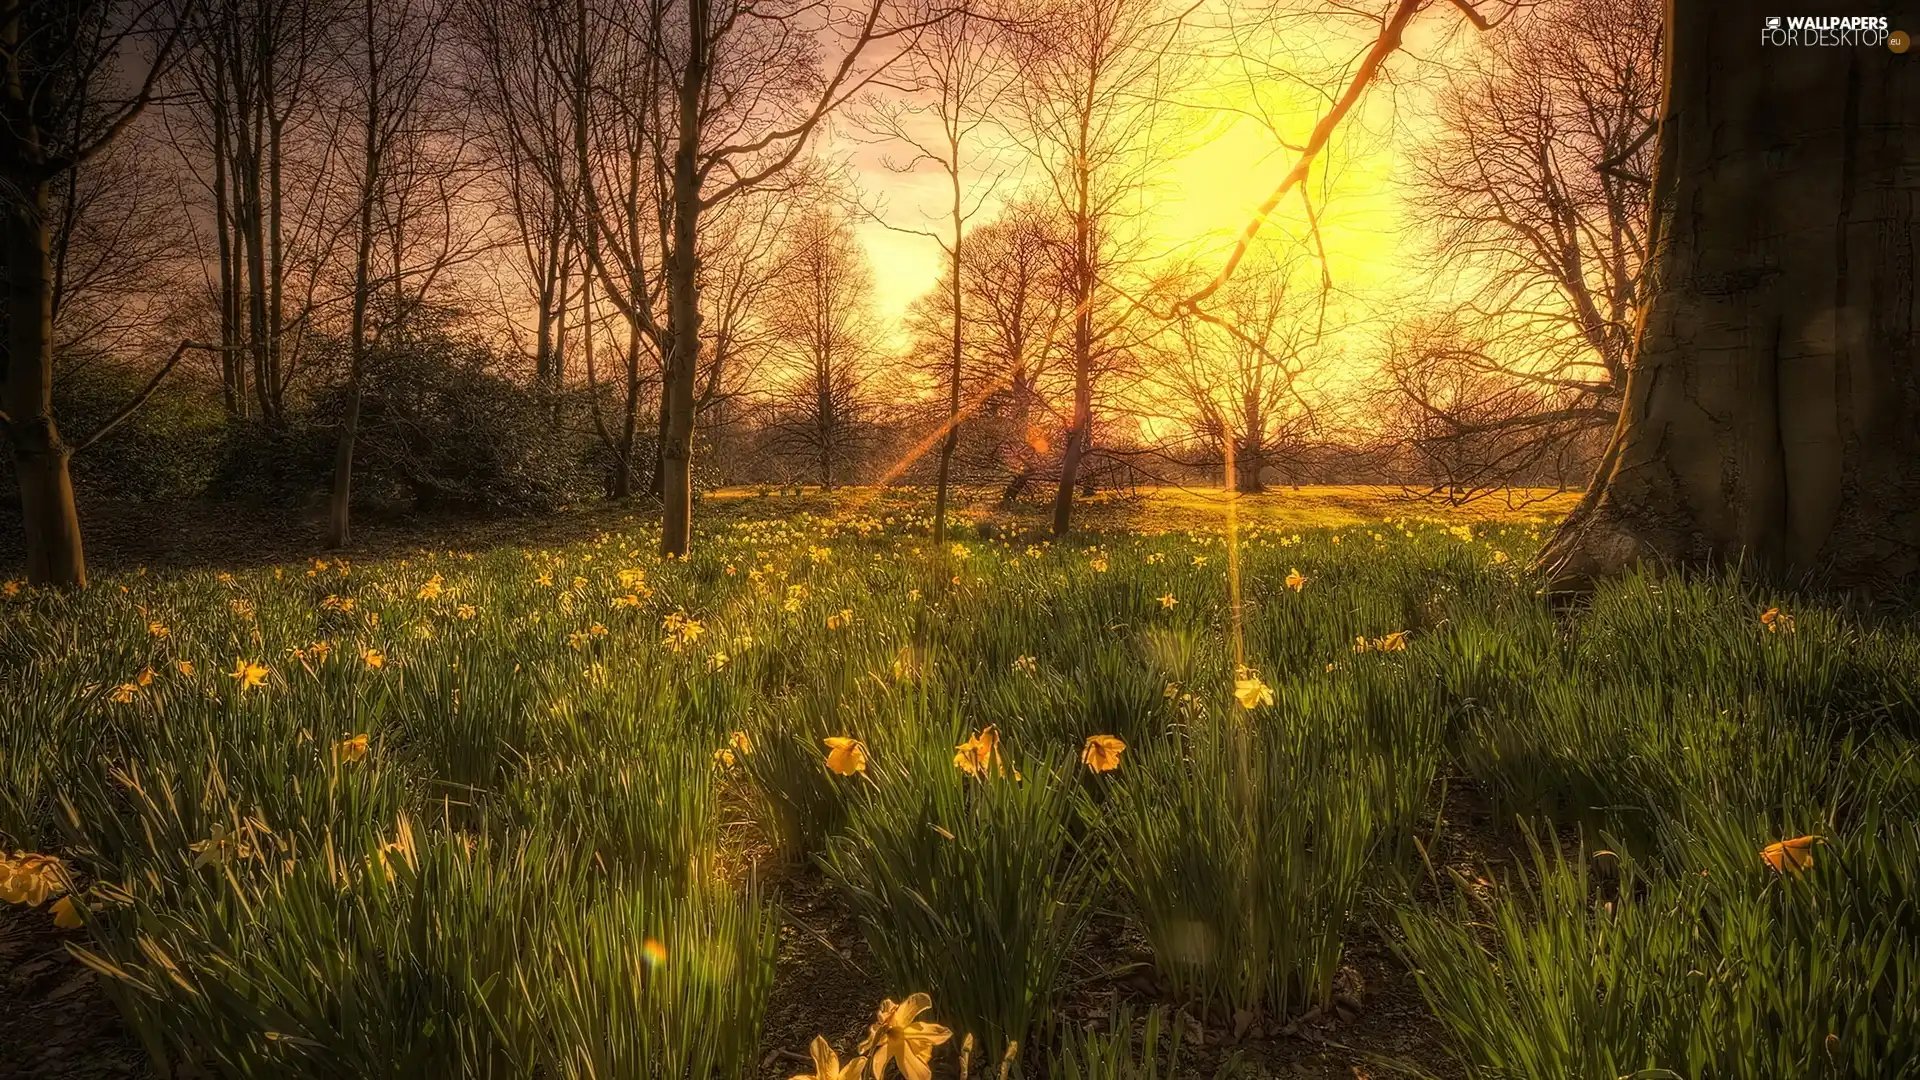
544,866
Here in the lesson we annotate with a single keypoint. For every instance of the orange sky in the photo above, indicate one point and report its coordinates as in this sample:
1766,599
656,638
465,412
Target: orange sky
1208,191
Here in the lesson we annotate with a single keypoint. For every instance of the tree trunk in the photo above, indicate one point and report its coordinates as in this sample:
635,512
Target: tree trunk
657,483
1248,465
1772,411
341,507
683,298
1063,495
40,456
629,417
340,502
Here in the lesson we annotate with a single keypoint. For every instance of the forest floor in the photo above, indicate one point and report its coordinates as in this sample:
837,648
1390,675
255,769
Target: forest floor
122,537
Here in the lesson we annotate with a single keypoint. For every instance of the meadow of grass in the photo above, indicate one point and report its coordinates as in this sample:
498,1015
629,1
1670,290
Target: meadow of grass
511,812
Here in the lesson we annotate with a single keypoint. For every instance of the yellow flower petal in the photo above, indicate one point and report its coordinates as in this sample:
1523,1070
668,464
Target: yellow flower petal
1102,752
846,756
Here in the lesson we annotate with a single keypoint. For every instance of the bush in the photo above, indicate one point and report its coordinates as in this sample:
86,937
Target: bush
444,426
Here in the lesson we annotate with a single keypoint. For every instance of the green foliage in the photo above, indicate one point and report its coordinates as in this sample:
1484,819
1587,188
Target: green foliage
540,865
1242,847
1704,962
1116,1055
969,888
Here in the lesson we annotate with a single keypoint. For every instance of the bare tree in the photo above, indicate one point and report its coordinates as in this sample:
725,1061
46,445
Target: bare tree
1243,393
517,60
822,319
1474,429
58,109
1093,77
1012,295
1536,188
263,138
725,97
949,88
409,167
116,254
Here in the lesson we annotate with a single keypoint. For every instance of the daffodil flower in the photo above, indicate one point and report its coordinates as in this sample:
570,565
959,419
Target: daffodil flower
846,756
1102,752
896,1036
248,674
1790,856
66,914
353,749
1250,692
29,879
826,1063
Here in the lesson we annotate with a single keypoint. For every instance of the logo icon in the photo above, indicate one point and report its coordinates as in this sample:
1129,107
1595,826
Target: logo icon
1773,22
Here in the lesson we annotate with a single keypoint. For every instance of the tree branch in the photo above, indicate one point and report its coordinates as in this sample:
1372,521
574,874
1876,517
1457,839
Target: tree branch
153,384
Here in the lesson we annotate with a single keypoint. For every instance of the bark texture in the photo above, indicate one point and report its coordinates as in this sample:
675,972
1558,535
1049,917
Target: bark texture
1772,411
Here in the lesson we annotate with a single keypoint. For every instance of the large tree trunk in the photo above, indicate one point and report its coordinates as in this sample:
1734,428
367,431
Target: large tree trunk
40,456
1772,412
1249,465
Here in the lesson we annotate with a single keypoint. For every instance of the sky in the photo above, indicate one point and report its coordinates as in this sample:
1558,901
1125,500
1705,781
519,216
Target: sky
1209,190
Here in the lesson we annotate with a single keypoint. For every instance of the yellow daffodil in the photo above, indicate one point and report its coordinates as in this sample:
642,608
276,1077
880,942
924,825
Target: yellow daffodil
826,1064
1790,856
29,879
66,914
465,611
185,667
220,847
248,674
739,741
124,692
1394,642
1296,580
1199,560
1025,664
353,749
1776,621
432,589
1168,601
374,658
846,756
1250,692
1361,644
158,629
1499,557
896,1036
1102,752
975,756
723,757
